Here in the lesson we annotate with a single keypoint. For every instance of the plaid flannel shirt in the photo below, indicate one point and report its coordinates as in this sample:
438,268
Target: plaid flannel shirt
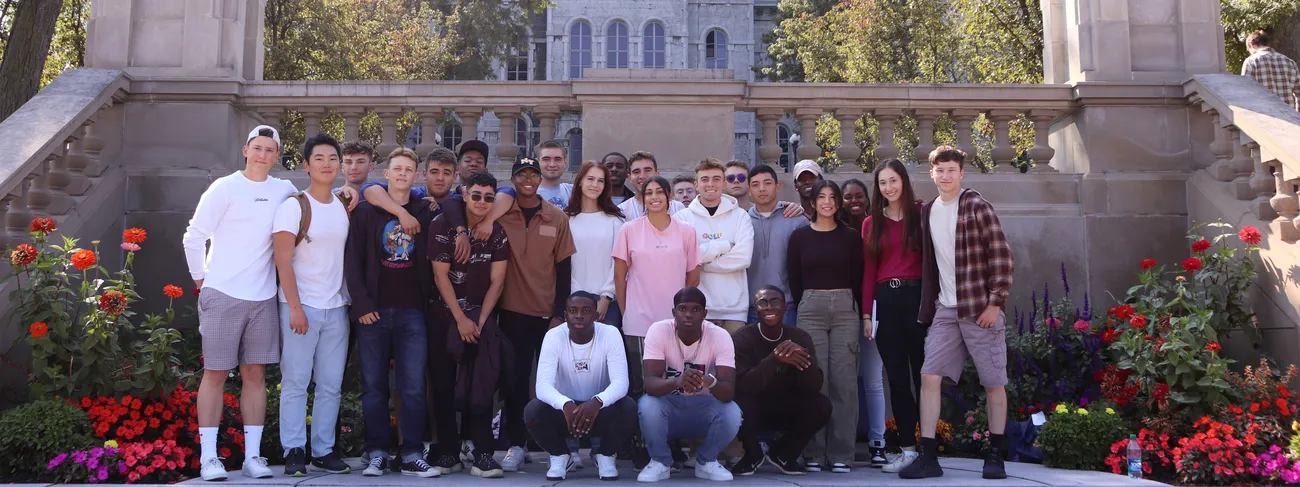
983,261
1276,73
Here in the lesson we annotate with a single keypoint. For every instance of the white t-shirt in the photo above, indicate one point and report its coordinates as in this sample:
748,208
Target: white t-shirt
236,215
943,234
318,259
593,265
633,209
714,349
556,195
567,371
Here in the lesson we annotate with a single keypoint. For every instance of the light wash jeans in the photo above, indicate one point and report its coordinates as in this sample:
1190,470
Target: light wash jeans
872,372
322,351
678,416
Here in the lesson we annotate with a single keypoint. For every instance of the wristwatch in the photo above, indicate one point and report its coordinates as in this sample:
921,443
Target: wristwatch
714,383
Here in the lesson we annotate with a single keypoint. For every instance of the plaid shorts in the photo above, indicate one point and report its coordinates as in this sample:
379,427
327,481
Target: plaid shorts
237,332
950,339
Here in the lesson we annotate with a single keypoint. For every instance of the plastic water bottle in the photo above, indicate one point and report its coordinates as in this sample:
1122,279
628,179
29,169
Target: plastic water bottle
1134,458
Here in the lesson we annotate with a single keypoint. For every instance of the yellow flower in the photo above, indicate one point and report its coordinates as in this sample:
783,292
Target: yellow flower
1082,411
1110,411
277,386
308,419
1060,408
1295,425
111,443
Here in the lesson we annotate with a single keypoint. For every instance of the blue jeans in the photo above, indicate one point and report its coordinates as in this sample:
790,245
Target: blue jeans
791,316
398,336
614,315
676,416
321,352
871,372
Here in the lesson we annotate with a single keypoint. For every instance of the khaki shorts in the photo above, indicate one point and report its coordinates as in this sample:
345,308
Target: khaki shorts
951,339
238,332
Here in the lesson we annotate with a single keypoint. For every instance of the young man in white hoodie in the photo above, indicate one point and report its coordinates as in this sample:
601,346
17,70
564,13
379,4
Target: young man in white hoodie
726,239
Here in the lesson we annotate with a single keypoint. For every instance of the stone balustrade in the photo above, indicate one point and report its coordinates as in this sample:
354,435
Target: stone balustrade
52,157
1256,147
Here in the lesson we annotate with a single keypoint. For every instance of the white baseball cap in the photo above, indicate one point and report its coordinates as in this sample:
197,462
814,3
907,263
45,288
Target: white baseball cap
807,165
275,134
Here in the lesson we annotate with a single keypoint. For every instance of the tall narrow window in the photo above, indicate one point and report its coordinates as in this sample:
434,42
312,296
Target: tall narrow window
521,137
715,50
517,65
451,135
616,45
579,48
654,46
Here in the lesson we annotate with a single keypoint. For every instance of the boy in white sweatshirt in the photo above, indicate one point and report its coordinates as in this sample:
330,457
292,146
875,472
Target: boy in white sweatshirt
726,239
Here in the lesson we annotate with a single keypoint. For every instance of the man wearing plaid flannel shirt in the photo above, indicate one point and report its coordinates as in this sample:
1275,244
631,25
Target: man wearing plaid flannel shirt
1273,70
966,268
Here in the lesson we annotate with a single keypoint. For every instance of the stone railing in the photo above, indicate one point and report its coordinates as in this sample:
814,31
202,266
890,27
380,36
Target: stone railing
51,160
1256,146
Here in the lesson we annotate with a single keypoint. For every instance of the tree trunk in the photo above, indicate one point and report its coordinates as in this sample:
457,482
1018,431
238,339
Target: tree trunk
25,54
1286,37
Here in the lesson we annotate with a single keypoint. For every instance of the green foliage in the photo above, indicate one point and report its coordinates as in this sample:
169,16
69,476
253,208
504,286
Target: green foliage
68,48
1241,17
1080,439
32,434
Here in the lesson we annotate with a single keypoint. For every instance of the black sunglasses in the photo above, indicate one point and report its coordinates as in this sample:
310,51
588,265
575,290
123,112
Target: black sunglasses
482,197
736,178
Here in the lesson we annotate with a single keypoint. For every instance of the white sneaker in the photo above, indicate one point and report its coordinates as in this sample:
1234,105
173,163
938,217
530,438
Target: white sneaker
213,469
256,468
841,468
654,472
514,458
560,466
812,467
607,467
712,471
377,466
467,452
900,462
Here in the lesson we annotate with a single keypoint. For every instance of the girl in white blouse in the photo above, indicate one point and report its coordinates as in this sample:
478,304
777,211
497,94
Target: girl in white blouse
594,222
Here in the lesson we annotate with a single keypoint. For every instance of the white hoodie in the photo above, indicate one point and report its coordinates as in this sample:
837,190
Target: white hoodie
726,240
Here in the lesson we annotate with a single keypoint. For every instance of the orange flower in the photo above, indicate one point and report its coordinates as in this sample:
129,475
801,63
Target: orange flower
134,235
84,259
43,226
39,329
113,302
173,291
23,256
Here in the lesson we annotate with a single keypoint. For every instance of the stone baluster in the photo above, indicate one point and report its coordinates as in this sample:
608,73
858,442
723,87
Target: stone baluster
18,217
1242,166
848,151
885,147
925,118
1285,203
39,196
965,120
469,118
770,151
387,131
1261,182
507,148
75,161
93,146
1221,169
807,118
8,240
310,121
56,180
1042,152
273,117
1004,154
546,116
430,130
352,122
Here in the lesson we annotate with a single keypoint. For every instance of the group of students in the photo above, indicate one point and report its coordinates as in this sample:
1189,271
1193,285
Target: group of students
702,310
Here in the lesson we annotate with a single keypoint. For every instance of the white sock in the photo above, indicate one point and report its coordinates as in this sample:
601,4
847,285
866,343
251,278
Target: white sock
252,442
207,444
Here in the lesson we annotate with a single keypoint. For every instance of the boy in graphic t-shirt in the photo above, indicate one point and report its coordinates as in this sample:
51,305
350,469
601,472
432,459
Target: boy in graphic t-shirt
689,372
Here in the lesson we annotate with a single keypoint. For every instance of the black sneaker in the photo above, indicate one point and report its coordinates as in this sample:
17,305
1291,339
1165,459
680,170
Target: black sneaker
295,463
419,468
640,457
993,466
926,466
447,464
878,459
747,465
331,463
786,466
486,467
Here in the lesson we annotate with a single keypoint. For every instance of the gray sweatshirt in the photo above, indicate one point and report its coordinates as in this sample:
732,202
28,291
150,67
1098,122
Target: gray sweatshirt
771,237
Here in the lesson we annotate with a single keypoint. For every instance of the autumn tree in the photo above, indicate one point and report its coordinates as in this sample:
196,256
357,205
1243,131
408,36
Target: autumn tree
26,48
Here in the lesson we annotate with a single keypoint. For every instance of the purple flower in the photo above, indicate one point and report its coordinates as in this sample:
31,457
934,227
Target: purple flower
1083,402
96,452
121,468
1065,279
102,474
79,456
92,463
56,461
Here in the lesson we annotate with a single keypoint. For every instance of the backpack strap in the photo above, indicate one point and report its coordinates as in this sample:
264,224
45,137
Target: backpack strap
304,221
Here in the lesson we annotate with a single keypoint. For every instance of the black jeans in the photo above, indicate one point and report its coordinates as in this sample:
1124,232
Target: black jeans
442,382
525,333
615,425
901,341
797,417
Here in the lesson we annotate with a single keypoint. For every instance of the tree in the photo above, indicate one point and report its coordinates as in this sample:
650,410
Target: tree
68,49
485,30
26,49
1241,17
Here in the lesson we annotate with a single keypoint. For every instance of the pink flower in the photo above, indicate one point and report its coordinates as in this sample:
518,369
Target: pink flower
976,436
970,420
130,247
1052,322
1081,325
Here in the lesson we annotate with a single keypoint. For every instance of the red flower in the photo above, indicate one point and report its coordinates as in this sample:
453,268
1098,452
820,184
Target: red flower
1160,391
1254,407
1109,336
1201,245
134,235
1138,321
39,329
43,226
84,259
1250,235
23,256
113,302
1213,347
1123,312
1147,264
1192,264
173,291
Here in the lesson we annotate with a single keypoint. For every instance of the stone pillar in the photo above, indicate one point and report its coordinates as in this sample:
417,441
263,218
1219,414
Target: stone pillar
546,116
506,148
177,38
807,118
469,118
1126,40
770,152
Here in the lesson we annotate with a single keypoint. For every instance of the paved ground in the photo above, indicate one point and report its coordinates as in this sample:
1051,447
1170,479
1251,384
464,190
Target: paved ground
959,472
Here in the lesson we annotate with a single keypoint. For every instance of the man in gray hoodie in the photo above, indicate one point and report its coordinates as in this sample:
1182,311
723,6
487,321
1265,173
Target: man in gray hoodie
772,229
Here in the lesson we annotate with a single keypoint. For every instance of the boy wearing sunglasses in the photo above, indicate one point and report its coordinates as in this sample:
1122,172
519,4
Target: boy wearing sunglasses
737,176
